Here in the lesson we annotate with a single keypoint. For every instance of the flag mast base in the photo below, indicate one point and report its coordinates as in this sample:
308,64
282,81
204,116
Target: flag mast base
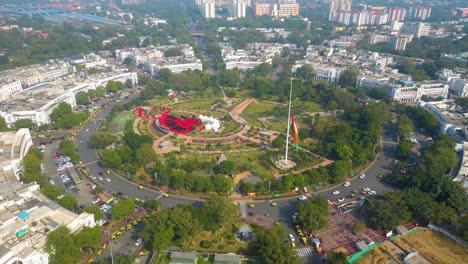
282,164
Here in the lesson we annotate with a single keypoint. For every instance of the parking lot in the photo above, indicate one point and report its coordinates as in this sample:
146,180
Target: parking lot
339,234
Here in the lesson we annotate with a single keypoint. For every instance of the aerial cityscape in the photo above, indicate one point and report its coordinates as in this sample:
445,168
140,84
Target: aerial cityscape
233,131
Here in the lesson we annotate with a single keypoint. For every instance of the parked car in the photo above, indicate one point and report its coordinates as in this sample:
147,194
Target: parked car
302,198
340,200
362,176
346,184
336,192
138,242
366,189
291,237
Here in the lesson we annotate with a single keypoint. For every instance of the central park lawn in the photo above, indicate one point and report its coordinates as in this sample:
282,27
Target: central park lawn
261,109
196,104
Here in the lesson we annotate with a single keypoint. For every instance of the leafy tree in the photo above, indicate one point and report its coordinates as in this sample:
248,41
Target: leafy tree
219,209
95,210
358,226
227,167
387,211
127,61
440,213
173,52
462,227
32,167
314,213
349,77
102,139
111,158
88,237
51,191
270,247
114,86
128,84
3,125
68,202
122,209
404,126
404,149
61,246
306,72
145,154
337,258
68,148
152,205
82,98
230,78
339,169
23,123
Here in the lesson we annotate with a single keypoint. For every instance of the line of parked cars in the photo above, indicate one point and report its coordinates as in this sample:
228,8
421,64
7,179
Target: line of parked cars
63,163
67,181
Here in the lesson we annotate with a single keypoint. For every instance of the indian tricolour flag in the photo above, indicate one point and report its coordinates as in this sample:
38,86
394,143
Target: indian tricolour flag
295,133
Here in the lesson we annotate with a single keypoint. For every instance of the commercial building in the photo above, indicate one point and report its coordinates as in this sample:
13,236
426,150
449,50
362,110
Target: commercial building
38,73
153,59
26,220
456,79
238,8
38,102
359,18
132,2
417,29
8,88
277,9
254,54
14,147
208,9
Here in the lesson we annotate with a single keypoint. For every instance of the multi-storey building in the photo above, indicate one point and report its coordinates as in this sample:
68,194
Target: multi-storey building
34,74
417,29
38,103
8,88
344,5
420,12
238,8
208,9
277,9
396,14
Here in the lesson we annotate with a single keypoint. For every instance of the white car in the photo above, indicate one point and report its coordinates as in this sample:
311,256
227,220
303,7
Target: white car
93,177
95,200
100,222
336,192
346,184
362,176
302,198
101,178
138,242
291,237
340,200
372,193
108,179
366,189
60,197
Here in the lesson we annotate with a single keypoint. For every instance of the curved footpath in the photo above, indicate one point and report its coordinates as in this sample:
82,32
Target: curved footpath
282,212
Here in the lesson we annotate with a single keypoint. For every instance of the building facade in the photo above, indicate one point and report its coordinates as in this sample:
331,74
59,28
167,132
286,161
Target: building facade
238,8
279,9
417,29
420,12
208,9
7,89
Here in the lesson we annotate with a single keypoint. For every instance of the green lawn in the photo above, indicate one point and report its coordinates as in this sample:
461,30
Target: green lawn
117,125
252,121
262,109
198,104
231,127
308,106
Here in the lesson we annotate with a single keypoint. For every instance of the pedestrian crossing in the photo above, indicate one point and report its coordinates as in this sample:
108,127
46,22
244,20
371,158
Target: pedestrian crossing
304,252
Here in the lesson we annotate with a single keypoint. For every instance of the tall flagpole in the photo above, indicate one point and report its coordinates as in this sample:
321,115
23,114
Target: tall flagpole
289,123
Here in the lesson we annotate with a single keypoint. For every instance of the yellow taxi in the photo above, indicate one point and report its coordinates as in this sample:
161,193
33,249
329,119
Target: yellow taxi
252,205
304,240
104,246
273,204
293,245
166,195
108,171
140,187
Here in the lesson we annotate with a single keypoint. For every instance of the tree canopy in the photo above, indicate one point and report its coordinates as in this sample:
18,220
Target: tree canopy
62,247
314,213
270,247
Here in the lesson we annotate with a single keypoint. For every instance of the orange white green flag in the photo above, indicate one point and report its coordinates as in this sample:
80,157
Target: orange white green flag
295,133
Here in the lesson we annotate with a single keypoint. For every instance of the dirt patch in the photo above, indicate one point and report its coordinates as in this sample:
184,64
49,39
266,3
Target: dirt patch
434,247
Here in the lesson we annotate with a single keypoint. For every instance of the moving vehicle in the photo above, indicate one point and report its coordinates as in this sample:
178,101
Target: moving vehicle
140,187
346,184
366,189
362,176
336,192
302,198
340,200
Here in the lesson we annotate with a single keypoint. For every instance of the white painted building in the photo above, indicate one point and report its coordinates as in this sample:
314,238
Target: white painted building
7,89
238,8
208,9
38,102
417,29
15,145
